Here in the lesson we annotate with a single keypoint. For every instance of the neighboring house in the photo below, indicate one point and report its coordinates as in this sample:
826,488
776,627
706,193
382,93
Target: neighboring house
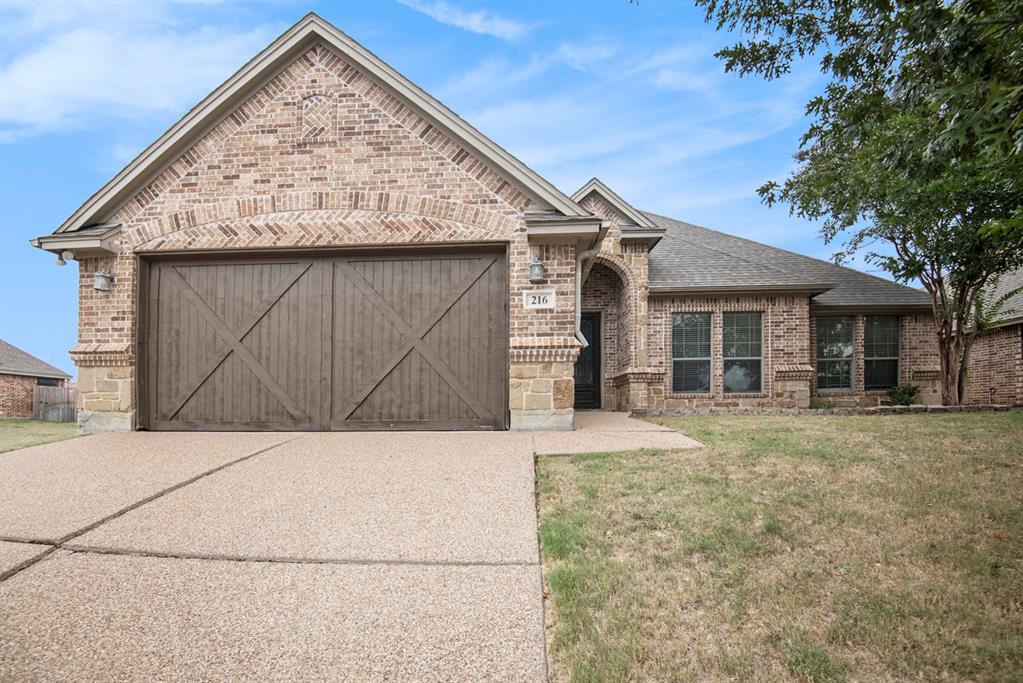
319,244
20,373
995,370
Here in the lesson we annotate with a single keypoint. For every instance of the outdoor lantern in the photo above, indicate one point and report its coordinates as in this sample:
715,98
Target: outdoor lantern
536,270
102,279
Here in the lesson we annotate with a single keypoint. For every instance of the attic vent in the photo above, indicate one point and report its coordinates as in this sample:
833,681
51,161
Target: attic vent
318,117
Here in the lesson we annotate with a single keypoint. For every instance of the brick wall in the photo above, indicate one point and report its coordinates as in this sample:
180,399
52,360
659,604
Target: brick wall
918,362
17,393
996,363
322,155
785,341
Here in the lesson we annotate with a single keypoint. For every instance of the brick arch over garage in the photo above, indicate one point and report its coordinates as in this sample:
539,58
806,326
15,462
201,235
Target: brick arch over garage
319,228
304,219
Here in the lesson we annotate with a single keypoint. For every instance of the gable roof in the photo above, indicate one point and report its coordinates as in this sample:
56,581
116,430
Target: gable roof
692,258
261,68
639,219
1013,309
14,361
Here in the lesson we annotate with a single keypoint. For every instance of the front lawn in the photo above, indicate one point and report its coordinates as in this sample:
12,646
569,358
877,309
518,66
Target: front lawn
802,548
16,434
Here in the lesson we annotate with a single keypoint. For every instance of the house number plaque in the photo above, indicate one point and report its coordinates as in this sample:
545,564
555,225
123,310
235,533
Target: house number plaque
538,299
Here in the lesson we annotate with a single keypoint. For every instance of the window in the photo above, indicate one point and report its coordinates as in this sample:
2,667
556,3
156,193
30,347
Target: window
880,352
742,351
834,353
47,382
690,353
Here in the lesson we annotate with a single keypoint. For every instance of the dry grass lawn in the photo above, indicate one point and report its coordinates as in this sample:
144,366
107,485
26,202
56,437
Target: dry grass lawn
801,549
16,434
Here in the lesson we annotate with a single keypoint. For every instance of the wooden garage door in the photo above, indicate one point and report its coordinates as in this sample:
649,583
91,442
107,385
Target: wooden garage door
389,341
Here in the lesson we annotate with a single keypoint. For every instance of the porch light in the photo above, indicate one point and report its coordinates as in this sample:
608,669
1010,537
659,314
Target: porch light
102,279
536,270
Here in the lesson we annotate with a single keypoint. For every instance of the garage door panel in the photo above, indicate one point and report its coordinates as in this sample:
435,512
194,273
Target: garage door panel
333,342
224,352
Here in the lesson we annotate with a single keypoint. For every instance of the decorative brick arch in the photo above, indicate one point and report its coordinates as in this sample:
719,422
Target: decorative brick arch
637,310
394,212
319,228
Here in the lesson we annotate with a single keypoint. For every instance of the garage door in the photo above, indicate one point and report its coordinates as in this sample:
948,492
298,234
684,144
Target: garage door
390,341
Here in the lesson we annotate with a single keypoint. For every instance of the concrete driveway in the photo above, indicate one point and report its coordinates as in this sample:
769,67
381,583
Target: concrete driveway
319,556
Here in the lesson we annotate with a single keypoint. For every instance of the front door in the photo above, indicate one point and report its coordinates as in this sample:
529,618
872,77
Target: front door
587,366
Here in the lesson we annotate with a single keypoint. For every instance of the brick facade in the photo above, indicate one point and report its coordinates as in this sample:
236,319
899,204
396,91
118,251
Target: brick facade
918,363
995,373
785,342
324,156
17,393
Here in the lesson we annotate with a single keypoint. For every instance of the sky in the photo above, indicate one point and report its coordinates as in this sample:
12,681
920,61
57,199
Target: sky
629,92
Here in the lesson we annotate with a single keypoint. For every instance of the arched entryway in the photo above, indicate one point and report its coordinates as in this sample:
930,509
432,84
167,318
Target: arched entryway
607,322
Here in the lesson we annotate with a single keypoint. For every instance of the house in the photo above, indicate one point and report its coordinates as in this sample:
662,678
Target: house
20,373
995,370
320,244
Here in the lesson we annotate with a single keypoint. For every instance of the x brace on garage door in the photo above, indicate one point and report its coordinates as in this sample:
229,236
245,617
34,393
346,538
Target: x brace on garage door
409,340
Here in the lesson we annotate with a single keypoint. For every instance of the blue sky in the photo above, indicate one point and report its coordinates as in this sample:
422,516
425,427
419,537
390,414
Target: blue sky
630,93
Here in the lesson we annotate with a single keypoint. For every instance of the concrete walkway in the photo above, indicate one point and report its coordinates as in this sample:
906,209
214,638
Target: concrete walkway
394,556
601,432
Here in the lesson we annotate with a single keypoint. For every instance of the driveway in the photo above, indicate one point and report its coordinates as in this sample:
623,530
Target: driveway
215,556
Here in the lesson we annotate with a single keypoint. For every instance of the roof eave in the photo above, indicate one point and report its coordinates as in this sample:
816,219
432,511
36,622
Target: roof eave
807,289
870,308
649,237
586,231
263,67
83,244
22,373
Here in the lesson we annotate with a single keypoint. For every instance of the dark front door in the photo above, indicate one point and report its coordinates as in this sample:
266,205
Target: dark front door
587,366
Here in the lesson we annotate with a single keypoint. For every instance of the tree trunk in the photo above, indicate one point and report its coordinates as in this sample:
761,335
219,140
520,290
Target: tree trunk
949,349
964,368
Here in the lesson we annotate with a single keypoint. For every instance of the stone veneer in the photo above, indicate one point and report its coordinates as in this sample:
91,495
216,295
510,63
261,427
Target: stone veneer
324,156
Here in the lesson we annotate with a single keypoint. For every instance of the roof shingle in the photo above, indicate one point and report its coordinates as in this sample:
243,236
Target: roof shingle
690,257
14,361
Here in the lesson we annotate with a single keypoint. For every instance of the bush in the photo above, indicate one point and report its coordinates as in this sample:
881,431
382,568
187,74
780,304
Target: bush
903,394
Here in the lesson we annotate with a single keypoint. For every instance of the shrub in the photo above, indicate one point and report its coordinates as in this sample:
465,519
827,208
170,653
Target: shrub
903,394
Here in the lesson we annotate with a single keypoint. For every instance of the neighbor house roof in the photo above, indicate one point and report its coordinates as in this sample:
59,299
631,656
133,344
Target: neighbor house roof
311,29
691,258
14,361
1013,308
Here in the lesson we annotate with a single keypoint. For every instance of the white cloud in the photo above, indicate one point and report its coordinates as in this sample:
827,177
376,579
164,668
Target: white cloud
81,68
478,21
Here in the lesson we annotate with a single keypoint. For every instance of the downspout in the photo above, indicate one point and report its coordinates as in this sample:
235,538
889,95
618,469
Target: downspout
580,259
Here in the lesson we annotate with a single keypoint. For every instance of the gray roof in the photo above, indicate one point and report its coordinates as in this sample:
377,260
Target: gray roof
693,258
1012,311
14,361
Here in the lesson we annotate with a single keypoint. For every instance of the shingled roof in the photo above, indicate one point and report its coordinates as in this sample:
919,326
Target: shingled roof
691,258
1013,309
14,361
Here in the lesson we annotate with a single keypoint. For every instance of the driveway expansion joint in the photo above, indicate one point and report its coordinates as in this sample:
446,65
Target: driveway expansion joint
131,552
59,544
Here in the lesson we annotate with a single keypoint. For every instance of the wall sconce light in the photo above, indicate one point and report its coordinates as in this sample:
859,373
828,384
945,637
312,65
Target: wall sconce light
536,270
102,279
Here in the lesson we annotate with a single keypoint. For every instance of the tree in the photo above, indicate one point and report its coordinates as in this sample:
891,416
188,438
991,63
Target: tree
916,142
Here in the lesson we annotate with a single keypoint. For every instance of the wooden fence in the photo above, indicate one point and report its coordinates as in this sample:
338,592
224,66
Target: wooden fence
54,404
